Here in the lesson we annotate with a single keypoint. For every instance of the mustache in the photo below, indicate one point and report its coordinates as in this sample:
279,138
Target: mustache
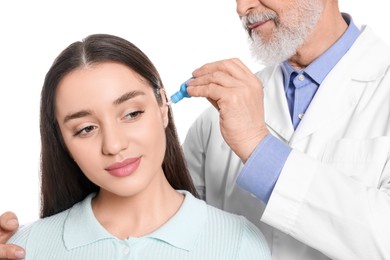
248,21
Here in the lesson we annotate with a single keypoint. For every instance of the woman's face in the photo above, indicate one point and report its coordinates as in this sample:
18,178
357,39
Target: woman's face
113,127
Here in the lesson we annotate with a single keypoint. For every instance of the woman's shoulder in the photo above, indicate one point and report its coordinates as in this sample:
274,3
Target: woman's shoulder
215,217
47,227
231,222
45,231
207,232
238,232
236,237
44,227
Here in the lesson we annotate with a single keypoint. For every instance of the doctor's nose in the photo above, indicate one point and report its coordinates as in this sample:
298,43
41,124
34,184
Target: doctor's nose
243,7
114,141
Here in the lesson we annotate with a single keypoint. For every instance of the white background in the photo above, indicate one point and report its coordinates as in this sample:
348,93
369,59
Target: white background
177,35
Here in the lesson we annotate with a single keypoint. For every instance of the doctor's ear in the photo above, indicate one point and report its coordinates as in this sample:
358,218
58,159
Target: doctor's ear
164,107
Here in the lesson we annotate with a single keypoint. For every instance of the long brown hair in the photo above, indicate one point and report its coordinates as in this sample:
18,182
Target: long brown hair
62,182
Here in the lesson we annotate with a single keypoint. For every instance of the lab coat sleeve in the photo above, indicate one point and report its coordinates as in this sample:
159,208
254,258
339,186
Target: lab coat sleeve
339,215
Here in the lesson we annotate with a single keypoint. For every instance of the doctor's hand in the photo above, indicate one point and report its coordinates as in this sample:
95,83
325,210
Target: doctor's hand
8,226
238,95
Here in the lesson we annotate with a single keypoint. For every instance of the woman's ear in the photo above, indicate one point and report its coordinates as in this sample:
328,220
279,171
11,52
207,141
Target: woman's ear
164,108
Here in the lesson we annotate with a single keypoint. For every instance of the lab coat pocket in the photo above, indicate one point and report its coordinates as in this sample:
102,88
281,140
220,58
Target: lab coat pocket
362,159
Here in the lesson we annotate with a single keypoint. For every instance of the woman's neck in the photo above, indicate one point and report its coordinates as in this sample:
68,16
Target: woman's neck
137,215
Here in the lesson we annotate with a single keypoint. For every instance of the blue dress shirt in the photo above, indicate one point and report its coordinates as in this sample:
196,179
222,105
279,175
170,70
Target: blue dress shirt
300,86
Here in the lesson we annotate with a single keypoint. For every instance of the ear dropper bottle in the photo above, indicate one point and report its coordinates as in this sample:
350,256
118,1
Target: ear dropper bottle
179,95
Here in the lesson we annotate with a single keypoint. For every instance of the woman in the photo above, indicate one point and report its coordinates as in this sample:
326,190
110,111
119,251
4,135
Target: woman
114,181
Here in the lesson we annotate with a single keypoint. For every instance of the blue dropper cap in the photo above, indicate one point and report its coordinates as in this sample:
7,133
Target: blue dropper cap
179,95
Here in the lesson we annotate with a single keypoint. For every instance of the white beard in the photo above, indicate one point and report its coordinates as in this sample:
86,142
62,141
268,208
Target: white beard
288,36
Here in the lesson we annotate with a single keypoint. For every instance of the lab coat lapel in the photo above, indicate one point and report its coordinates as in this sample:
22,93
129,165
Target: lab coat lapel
342,88
335,97
338,94
277,115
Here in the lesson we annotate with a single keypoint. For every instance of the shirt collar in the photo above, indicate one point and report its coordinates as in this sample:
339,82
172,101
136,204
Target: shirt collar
81,227
182,230
320,67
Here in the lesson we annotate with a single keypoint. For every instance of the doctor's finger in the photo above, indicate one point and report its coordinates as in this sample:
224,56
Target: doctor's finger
217,78
211,91
11,252
244,69
233,67
8,223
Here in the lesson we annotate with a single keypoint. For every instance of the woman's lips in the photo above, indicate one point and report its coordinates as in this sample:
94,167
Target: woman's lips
124,168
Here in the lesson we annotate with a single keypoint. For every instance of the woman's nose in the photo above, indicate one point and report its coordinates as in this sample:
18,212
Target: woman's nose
114,140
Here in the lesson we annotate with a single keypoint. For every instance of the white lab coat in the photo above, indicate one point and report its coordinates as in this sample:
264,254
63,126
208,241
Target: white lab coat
333,193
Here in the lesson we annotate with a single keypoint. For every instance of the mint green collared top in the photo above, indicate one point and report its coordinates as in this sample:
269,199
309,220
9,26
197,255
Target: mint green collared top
197,231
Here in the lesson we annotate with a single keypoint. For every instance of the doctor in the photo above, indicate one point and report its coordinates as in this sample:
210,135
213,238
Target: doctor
305,144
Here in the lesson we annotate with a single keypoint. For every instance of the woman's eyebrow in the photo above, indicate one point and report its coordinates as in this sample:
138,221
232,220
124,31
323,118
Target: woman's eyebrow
118,101
127,96
78,114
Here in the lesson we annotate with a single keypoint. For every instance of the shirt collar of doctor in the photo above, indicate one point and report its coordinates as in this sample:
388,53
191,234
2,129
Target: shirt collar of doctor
320,67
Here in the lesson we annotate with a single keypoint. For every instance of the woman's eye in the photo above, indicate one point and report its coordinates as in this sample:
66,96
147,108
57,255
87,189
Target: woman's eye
85,131
134,114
